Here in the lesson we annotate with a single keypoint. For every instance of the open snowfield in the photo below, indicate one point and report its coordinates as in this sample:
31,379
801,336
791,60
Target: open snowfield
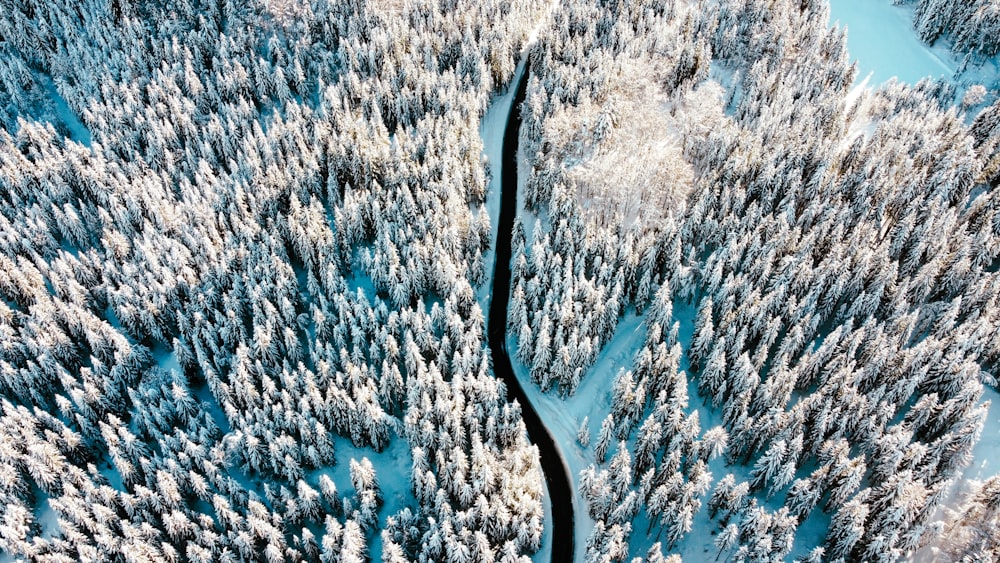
78,131
881,38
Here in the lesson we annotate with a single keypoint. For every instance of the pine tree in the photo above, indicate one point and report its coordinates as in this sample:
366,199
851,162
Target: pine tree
604,439
583,433
846,529
727,539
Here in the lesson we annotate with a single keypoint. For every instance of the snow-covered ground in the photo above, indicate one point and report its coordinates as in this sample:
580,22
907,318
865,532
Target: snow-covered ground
985,464
881,38
592,400
392,470
78,131
986,454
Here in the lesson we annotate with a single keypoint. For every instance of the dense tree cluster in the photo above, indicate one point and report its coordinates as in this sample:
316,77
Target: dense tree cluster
971,532
572,282
234,234
972,27
839,256
268,237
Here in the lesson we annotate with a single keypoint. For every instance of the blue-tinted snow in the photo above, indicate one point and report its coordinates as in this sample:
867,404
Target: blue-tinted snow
880,37
78,131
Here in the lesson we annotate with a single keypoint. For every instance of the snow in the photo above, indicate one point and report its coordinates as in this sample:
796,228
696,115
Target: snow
491,130
856,92
985,464
880,37
861,122
111,474
645,130
593,400
392,471
112,318
166,358
528,219
46,517
728,78
533,34
544,552
986,454
78,131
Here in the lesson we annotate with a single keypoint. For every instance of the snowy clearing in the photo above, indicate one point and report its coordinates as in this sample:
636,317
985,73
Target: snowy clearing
78,131
882,40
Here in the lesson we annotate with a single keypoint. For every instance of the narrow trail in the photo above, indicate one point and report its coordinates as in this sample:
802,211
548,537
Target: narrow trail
553,465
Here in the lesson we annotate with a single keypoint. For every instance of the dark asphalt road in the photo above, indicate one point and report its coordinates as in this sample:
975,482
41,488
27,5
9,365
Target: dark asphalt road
556,472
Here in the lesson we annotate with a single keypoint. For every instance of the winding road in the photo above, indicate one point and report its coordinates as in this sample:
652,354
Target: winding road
553,465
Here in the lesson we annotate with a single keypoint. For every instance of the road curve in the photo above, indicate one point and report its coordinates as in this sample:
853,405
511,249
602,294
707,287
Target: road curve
556,472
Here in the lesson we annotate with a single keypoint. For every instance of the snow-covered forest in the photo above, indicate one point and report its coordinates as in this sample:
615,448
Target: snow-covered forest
815,268
971,27
236,237
242,244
